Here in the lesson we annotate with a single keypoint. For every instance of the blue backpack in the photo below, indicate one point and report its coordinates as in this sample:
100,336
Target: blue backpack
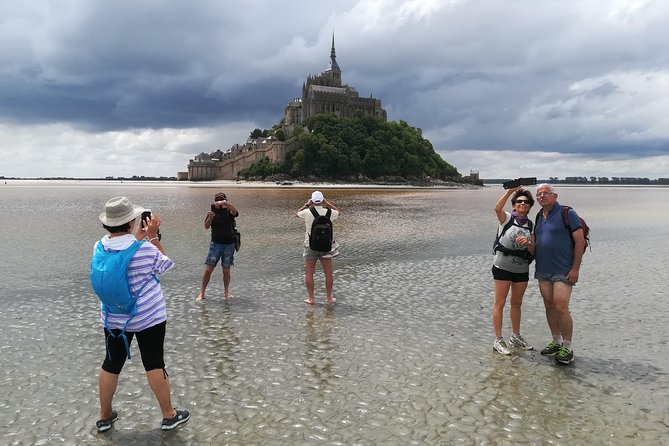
109,279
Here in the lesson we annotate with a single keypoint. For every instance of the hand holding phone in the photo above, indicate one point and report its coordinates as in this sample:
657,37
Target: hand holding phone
146,215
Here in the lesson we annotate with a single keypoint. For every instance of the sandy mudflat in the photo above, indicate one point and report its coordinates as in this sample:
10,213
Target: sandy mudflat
404,357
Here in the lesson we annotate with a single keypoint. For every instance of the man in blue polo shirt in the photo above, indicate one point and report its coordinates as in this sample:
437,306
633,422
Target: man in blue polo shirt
558,260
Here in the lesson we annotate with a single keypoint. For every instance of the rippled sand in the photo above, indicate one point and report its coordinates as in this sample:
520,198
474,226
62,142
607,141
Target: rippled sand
403,358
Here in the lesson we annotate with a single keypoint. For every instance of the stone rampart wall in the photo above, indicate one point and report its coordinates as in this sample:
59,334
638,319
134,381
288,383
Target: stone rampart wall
228,169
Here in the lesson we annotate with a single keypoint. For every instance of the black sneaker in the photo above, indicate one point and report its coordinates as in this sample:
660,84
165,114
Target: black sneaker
181,417
551,349
564,356
106,424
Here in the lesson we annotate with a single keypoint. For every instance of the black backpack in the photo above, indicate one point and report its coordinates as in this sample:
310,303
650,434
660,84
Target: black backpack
522,253
320,237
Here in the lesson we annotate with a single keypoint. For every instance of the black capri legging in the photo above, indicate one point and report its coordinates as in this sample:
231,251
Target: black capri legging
150,343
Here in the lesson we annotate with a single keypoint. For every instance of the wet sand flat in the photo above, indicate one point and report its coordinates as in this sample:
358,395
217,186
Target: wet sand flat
404,357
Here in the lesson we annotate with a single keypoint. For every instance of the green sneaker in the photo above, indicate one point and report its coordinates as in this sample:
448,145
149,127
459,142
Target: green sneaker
551,349
564,356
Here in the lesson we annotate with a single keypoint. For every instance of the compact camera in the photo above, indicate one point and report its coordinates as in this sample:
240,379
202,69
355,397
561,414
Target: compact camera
519,182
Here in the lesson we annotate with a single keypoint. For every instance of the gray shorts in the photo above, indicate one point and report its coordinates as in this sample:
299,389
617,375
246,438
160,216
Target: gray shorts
310,254
552,278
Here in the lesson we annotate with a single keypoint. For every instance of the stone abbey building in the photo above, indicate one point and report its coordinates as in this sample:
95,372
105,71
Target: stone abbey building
322,93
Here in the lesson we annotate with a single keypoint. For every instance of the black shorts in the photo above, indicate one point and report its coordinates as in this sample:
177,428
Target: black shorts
150,343
502,274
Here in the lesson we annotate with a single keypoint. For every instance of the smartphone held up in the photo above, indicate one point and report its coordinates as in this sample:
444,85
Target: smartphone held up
522,181
147,214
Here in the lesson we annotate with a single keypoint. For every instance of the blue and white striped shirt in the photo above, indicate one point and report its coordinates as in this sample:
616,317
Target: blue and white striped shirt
148,260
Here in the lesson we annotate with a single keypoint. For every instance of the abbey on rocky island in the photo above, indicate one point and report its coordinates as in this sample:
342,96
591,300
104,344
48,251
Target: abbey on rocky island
322,93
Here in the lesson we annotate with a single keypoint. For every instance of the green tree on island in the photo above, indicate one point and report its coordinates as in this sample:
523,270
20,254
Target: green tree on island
363,145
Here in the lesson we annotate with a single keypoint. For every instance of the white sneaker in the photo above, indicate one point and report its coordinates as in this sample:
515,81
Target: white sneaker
500,347
519,342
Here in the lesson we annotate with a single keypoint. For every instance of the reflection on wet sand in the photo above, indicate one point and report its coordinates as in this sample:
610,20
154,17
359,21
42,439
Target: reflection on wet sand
403,358
219,340
319,347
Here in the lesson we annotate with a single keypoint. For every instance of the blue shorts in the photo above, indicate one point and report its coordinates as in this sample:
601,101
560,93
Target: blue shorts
218,251
552,278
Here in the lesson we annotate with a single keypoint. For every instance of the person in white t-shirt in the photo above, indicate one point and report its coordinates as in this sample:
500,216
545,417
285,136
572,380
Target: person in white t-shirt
320,205
513,254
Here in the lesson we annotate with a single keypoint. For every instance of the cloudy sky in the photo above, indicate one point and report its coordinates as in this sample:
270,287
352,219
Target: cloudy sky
91,88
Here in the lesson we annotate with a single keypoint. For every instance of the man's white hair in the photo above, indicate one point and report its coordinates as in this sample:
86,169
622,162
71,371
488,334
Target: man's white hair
546,186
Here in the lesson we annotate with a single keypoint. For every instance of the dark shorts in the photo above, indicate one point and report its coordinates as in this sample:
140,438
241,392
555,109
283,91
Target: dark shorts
502,274
221,251
150,343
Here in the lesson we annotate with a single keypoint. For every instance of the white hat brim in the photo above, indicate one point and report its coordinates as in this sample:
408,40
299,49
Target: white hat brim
118,221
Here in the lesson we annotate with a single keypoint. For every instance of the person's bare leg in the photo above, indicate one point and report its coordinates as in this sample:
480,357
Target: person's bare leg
546,290
309,269
205,281
160,384
107,383
501,291
329,278
561,298
226,282
517,293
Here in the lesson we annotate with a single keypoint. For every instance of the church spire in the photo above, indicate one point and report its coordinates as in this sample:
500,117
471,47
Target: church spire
333,57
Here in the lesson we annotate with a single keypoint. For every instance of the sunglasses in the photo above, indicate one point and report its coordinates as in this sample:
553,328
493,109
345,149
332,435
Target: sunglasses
522,202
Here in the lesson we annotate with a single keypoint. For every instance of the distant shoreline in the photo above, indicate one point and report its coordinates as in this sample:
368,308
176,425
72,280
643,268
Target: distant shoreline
230,184
382,184
274,184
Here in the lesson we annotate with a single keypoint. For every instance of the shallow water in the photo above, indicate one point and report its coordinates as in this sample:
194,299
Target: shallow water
403,358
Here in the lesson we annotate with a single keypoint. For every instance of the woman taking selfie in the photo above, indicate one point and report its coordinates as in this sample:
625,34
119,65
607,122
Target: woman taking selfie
513,254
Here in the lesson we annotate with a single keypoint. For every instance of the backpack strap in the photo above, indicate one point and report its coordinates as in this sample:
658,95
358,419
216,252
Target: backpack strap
565,217
120,335
565,220
328,213
314,212
505,228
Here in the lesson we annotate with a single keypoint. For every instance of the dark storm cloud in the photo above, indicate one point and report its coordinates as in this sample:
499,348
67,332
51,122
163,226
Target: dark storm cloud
107,65
588,77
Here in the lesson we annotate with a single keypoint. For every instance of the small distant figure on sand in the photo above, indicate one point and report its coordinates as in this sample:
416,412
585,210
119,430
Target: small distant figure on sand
319,243
560,244
123,275
513,254
221,219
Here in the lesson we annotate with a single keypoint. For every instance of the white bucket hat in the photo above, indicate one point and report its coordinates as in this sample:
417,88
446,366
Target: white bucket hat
118,211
